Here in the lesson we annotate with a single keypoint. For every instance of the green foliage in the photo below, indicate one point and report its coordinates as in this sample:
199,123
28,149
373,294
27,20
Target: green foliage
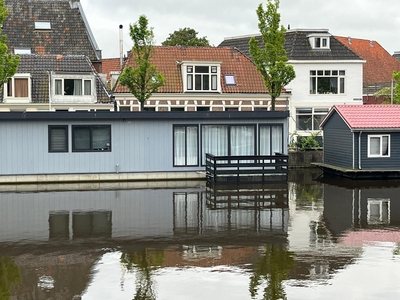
304,143
185,37
145,262
9,276
142,79
271,60
273,268
386,92
8,62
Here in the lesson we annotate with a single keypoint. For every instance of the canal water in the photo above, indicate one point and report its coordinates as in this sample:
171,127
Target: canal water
313,238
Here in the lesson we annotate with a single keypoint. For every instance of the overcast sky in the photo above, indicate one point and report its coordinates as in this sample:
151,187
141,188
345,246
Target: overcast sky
217,19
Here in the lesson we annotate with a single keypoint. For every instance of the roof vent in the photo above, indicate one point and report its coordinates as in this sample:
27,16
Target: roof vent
349,40
371,43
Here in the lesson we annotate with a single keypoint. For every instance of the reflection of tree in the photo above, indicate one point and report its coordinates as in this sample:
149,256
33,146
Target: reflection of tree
144,262
273,268
308,194
9,276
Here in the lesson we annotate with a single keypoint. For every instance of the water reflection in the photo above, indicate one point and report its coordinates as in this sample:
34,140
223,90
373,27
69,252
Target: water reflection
248,242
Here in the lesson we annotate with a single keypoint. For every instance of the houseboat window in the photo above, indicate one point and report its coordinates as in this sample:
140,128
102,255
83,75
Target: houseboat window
223,140
379,146
88,138
271,139
58,138
186,147
242,140
309,118
327,81
378,211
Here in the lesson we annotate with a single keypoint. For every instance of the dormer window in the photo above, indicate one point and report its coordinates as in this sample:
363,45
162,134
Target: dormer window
73,88
42,25
201,77
319,41
18,89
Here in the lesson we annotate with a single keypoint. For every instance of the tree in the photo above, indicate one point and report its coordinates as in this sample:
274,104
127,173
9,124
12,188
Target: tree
142,79
8,62
271,59
185,37
387,93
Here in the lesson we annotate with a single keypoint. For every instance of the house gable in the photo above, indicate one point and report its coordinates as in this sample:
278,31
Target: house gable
49,27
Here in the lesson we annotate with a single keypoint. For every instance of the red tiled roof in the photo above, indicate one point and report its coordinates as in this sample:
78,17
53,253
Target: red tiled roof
368,116
109,65
233,62
379,64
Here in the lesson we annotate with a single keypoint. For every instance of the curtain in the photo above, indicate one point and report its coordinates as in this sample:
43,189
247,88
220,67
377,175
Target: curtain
21,87
58,139
179,146
77,86
265,140
214,140
385,145
276,138
58,87
242,140
87,87
374,145
192,146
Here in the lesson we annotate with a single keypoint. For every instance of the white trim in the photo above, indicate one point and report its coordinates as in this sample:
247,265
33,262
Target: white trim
56,98
379,202
380,136
13,99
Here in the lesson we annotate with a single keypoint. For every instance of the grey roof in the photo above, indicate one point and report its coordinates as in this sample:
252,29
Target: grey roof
39,67
298,47
70,33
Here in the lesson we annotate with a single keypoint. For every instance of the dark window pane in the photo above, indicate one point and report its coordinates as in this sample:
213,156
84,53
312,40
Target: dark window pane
202,69
101,138
206,82
197,82
81,136
58,139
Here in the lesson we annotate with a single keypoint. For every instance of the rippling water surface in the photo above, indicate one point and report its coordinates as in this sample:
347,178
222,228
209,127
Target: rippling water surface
308,239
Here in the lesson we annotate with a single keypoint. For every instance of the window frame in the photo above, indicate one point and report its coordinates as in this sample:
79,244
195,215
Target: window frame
91,129
371,220
42,25
192,76
13,98
380,155
312,114
59,85
229,142
317,75
185,126
270,125
50,137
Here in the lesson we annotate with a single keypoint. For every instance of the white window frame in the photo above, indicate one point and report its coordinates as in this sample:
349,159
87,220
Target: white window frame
314,111
378,201
380,148
339,74
320,41
188,69
12,98
22,50
42,25
62,98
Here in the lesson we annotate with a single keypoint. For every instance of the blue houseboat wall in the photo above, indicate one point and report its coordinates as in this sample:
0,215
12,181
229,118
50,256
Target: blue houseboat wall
58,142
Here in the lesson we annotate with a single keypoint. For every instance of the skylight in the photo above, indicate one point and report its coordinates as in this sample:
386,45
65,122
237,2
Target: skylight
22,50
230,79
42,25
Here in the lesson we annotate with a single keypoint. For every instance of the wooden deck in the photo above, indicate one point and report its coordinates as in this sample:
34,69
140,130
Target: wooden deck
356,173
247,168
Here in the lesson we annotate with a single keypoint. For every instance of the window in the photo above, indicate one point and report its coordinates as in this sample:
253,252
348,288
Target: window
58,138
18,88
321,42
378,211
86,138
378,145
73,87
42,25
327,81
309,118
202,78
22,50
271,139
227,140
186,145
230,80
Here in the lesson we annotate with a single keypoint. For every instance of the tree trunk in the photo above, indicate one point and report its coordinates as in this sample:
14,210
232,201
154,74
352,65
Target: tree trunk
141,105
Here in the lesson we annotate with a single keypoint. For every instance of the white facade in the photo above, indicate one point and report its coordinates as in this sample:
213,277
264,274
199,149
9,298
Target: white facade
303,98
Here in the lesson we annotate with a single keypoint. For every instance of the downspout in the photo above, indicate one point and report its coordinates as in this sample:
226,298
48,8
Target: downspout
50,88
359,150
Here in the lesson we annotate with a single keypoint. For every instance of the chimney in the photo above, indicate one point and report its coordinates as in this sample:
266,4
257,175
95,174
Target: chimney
396,55
371,43
288,27
74,3
349,40
121,50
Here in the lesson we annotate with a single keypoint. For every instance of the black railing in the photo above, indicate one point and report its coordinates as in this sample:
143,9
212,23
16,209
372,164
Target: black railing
247,168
